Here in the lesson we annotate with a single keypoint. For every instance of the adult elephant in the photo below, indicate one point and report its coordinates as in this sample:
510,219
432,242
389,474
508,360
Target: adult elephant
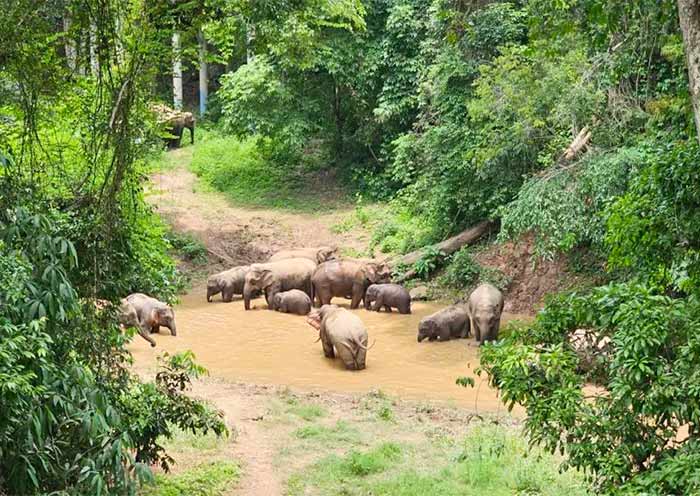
347,277
152,313
485,306
341,332
319,255
176,125
274,277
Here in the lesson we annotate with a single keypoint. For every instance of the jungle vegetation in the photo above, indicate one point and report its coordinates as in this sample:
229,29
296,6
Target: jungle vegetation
450,111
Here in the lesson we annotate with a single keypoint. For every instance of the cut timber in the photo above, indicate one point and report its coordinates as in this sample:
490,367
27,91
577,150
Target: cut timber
449,246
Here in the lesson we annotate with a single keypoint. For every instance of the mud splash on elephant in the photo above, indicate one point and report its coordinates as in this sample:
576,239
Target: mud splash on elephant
265,347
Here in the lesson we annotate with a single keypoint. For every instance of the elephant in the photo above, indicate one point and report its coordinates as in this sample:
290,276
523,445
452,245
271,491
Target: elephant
445,324
273,277
292,301
387,296
153,313
343,331
127,317
318,255
347,277
228,283
485,306
176,125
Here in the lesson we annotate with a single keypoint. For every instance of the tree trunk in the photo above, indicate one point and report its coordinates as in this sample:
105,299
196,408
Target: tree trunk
689,15
249,37
177,72
94,61
71,51
203,75
449,246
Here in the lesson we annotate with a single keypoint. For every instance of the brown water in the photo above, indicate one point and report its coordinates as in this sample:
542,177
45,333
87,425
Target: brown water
264,347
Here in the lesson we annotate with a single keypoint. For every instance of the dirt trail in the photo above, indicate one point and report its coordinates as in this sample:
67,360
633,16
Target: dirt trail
235,235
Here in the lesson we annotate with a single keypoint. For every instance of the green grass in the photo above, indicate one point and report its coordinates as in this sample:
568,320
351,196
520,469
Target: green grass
491,460
341,432
207,479
238,169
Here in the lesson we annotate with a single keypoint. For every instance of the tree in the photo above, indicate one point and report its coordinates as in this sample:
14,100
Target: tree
689,15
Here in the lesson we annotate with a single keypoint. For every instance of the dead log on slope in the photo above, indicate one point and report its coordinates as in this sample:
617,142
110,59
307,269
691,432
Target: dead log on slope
449,246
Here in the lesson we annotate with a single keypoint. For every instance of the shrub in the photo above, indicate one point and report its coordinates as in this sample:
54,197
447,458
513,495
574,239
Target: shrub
462,271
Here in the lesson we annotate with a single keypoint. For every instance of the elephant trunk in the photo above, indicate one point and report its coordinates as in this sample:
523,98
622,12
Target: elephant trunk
246,298
173,328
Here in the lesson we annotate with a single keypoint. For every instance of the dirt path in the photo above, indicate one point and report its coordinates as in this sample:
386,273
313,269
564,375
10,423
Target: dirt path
235,235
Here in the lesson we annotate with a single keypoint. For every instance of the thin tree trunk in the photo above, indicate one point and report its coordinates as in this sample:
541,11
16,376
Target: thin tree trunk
203,74
177,72
94,61
249,37
71,51
689,15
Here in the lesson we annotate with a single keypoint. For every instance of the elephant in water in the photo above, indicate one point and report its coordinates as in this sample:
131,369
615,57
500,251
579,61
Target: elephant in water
443,325
273,277
387,296
347,277
127,317
318,255
152,313
228,283
342,331
292,301
485,306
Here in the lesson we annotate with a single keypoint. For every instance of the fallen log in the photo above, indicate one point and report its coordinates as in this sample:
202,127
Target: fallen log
449,246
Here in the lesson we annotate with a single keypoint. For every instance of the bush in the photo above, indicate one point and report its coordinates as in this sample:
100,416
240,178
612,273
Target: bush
462,271
628,437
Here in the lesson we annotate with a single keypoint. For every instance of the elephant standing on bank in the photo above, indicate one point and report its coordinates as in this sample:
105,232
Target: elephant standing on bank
228,283
347,277
152,313
274,277
341,332
318,255
485,306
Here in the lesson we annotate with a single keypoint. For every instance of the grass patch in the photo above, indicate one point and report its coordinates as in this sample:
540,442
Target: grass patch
307,411
491,460
238,169
207,479
341,432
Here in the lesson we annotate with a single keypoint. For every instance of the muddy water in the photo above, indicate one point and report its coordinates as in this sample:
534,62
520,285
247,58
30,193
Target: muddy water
264,347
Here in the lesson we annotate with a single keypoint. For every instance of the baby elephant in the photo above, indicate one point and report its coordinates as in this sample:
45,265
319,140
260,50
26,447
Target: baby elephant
343,331
228,283
387,296
292,301
445,324
485,306
153,313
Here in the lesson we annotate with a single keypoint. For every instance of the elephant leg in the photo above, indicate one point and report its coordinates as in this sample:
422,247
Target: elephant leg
388,308
357,296
378,303
144,334
327,345
155,329
475,329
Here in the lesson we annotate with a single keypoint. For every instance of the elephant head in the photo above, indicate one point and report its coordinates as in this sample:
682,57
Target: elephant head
257,279
166,317
326,253
376,272
214,286
426,329
276,302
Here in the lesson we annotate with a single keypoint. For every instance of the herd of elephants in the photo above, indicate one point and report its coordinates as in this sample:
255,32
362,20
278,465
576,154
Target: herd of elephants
294,280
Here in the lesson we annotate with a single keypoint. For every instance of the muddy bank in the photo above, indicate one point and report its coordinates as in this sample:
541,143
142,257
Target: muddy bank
264,347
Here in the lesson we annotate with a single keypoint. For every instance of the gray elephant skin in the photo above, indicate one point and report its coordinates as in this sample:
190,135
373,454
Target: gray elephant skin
152,313
485,306
443,325
128,317
274,277
388,296
229,283
319,255
343,333
347,277
176,126
292,301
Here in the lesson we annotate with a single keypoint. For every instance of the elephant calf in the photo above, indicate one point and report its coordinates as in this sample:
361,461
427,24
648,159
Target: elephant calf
343,331
387,296
127,317
485,306
228,283
292,301
445,324
152,313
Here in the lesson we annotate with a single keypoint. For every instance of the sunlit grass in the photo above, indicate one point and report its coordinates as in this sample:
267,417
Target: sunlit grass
207,479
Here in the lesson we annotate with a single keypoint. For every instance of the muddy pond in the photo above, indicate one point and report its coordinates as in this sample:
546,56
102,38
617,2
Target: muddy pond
264,347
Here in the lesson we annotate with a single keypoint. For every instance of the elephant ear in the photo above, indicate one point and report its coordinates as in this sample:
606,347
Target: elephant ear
369,271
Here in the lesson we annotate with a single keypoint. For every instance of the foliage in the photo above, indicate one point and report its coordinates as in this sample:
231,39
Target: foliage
628,437
207,479
464,272
188,247
428,262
